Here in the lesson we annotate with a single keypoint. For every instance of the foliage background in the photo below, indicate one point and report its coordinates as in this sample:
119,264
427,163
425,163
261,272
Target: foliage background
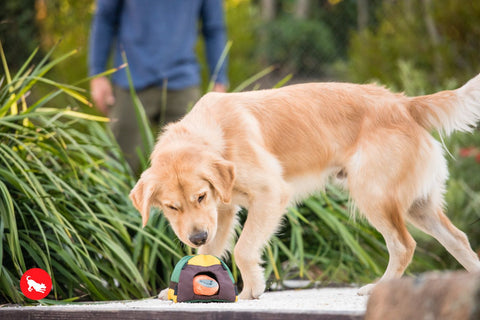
413,46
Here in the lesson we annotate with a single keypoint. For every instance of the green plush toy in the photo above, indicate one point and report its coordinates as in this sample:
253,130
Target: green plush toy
202,278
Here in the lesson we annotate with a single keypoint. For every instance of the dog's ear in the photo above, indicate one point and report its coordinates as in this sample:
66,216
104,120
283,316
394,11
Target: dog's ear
222,178
142,196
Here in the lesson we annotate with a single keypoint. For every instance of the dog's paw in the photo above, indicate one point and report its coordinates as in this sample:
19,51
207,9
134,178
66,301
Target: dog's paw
366,290
252,293
247,295
163,295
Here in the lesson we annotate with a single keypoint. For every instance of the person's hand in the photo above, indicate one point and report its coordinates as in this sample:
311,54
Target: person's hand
218,87
102,94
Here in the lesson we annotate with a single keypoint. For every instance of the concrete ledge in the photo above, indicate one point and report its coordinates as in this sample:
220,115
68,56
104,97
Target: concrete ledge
322,304
141,314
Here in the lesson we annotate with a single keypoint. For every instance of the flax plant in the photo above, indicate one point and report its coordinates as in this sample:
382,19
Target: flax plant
64,203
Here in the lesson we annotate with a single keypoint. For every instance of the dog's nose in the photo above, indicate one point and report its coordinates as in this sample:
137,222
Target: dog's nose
199,238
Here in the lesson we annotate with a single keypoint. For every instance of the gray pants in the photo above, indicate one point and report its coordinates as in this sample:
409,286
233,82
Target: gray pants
161,107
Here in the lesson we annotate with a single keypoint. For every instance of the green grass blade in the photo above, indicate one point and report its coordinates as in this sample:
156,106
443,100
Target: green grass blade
146,131
253,78
219,64
32,80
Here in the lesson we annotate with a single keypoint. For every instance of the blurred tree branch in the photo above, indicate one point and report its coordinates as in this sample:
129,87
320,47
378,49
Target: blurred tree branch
267,9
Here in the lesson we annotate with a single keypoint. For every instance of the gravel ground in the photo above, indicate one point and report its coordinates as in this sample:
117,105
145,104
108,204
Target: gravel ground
301,301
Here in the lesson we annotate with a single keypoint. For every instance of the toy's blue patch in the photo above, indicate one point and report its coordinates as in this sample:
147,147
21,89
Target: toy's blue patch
208,283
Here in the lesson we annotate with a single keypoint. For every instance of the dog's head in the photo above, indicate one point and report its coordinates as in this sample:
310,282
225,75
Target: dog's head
187,185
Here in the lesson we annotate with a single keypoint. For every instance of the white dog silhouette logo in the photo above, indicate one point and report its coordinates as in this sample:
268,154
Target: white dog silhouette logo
36,284
33,285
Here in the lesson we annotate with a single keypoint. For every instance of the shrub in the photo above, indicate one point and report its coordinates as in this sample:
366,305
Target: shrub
64,204
437,40
298,45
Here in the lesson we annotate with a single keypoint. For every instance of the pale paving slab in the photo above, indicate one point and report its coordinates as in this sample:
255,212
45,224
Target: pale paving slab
292,301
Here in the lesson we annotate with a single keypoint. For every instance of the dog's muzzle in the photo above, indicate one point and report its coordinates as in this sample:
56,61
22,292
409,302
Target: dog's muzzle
199,238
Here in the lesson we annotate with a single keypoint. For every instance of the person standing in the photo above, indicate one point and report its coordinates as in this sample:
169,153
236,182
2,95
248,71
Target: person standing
159,39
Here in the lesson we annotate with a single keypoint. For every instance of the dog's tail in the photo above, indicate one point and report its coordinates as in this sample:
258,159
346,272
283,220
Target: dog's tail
449,110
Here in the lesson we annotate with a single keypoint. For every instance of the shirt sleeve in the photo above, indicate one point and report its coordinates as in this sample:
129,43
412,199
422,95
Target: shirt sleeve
103,32
214,33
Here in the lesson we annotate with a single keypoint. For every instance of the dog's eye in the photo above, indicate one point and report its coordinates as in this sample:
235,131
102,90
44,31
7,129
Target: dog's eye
172,208
201,198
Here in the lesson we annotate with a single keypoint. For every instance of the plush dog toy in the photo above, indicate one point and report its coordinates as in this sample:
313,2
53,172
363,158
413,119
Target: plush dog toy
202,278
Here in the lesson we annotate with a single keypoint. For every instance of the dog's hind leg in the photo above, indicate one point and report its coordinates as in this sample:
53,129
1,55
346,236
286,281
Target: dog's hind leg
381,190
388,220
430,218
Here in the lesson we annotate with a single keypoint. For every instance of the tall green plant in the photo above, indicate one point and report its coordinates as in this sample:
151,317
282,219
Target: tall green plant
63,200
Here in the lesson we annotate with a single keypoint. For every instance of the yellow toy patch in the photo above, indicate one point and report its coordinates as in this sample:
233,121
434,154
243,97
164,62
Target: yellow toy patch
171,295
204,260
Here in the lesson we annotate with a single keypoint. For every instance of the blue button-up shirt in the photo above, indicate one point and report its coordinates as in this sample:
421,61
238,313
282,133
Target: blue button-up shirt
158,37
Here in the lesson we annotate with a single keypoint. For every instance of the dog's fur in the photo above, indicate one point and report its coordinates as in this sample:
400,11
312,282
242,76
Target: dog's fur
265,149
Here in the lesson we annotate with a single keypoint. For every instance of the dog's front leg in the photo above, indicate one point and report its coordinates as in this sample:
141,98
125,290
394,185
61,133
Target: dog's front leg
264,215
221,243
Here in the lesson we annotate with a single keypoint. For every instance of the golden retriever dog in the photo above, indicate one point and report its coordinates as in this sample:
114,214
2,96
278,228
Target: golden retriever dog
265,150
